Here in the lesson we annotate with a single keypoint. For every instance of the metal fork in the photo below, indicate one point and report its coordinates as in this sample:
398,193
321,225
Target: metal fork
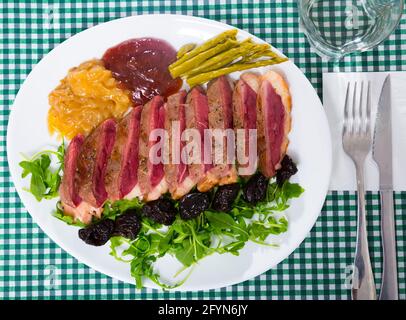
357,144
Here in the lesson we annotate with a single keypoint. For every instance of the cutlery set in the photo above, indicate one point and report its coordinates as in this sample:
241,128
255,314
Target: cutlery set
357,143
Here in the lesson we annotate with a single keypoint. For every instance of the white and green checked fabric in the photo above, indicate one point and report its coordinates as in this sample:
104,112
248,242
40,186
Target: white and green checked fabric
316,270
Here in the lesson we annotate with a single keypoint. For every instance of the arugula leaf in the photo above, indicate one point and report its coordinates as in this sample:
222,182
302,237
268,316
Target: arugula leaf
220,220
112,210
60,153
212,232
45,181
185,253
115,243
45,162
125,204
30,167
143,252
202,243
165,243
291,190
260,230
232,247
38,187
142,267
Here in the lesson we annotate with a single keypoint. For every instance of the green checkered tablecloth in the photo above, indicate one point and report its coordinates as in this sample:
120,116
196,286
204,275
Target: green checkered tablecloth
316,270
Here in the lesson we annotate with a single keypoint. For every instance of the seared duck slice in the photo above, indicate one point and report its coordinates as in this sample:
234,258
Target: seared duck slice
84,173
176,170
220,116
151,177
121,173
244,120
196,114
273,122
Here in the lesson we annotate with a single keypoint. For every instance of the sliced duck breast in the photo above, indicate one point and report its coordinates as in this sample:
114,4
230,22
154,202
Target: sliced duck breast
125,159
68,191
273,122
244,119
71,201
220,116
196,115
151,177
122,166
92,163
176,170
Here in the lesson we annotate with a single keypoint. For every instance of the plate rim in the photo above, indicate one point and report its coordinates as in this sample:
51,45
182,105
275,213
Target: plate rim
88,262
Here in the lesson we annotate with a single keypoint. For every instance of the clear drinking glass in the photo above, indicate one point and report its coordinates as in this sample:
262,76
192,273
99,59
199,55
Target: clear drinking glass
336,28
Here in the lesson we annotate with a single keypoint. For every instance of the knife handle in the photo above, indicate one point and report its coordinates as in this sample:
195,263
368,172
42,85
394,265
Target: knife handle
389,287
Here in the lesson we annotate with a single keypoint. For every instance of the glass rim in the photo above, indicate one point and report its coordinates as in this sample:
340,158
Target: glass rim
328,53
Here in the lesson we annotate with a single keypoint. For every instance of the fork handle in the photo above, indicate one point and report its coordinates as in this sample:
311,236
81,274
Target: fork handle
389,287
363,284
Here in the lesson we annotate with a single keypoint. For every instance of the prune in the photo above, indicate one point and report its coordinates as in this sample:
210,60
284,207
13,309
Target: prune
255,189
225,196
97,234
161,211
288,169
193,204
127,225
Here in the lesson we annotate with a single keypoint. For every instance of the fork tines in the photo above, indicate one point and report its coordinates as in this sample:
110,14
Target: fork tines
357,116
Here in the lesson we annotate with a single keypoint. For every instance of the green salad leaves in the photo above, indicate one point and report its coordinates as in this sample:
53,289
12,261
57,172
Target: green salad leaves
188,241
45,180
212,232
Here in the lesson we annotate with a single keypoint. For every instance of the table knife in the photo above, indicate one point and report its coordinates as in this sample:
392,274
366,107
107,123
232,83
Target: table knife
382,154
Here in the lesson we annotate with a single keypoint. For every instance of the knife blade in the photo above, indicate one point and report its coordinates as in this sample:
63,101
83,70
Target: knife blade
382,154
382,145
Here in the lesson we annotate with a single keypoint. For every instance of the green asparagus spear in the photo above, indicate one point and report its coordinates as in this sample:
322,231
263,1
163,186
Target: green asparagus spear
258,55
222,37
221,59
202,57
185,49
233,55
263,48
205,77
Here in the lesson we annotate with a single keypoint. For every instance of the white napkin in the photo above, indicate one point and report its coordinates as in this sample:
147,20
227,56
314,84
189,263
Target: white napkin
334,88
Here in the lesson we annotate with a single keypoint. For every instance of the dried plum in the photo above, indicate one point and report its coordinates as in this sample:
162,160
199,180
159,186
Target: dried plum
193,204
288,169
161,211
225,196
127,225
255,189
97,234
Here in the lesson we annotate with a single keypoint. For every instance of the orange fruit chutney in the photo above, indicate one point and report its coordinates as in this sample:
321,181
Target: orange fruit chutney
87,96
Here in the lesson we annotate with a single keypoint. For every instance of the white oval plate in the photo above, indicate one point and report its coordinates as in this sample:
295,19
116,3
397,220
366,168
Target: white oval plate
310,146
